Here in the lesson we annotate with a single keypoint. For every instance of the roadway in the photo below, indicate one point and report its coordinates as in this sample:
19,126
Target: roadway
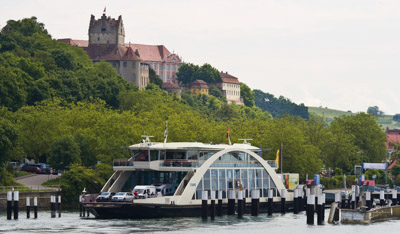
35,181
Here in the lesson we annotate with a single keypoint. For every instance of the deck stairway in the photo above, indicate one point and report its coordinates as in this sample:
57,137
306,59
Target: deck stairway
184,183
111,181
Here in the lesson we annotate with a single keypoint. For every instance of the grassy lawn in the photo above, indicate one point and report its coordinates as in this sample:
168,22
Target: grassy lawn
52,183
21,173
330,114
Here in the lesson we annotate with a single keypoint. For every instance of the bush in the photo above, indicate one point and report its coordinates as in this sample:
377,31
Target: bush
76,179
329,183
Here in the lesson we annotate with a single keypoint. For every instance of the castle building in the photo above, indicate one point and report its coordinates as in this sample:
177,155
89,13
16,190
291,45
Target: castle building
230,87
160,59
198,87
132,61
107,42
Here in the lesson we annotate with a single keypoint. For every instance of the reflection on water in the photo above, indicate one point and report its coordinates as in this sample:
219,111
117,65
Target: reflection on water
288,223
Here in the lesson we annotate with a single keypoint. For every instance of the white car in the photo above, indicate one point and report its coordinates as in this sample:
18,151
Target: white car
122,196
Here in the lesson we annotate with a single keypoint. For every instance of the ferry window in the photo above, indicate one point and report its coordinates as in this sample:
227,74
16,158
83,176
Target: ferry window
175,155
238,184
229,176
251,179
153,155
258,178
266,183
222,179
192,155
214,179
140,155
244,179
162,155
199,189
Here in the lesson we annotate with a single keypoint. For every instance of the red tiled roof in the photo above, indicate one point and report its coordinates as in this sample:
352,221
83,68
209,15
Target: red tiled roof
104,52
199,84
168,85
78,43
155,53
226,78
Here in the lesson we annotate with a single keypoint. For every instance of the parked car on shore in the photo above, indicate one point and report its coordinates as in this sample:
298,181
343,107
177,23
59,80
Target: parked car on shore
31,168
105,196
46,169
122,196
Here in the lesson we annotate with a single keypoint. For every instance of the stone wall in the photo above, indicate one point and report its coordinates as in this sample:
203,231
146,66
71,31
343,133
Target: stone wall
43,199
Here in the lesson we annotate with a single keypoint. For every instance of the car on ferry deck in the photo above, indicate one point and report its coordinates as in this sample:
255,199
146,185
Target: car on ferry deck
105,196
122,196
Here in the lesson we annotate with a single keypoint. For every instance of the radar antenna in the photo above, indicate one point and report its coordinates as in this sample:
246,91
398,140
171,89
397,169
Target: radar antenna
245,141
147,140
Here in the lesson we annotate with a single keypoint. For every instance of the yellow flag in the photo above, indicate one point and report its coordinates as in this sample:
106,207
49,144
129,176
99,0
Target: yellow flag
277,158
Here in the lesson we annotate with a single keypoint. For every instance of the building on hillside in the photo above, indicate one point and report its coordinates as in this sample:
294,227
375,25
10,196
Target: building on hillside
77,43
230,87
172,88
392,137
132,61
163,62
198,87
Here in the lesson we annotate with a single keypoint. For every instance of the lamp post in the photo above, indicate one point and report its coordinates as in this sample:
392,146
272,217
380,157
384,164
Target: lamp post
386,168
362,161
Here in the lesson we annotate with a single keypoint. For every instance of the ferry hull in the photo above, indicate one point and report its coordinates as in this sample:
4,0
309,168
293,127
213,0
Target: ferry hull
147,211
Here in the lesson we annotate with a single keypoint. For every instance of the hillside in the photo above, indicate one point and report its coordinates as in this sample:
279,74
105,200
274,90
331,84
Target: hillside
330,114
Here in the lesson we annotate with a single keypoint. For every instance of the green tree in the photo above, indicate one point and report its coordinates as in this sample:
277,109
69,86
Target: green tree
87,155
8,140
374,110
64,151
365,133
76,179
216,92
247,95
208,73
186,73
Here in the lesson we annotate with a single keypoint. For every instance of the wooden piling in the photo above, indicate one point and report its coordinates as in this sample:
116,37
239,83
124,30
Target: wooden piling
394,197
9,205
255,202
212,206
204,200
310,209
231,202
320,210
270,201
59,206
295,201
240,209
219,203
283,201
368,200
52,207
35,208
382,197
353,200
80,206
16,201
28,207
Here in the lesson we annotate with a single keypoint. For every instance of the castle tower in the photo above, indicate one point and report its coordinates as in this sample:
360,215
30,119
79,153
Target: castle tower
106,31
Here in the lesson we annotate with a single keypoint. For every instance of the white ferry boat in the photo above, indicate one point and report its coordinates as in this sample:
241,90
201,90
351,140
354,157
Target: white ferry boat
187,169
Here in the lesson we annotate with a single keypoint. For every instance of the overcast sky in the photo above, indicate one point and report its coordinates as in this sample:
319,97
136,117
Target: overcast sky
340,54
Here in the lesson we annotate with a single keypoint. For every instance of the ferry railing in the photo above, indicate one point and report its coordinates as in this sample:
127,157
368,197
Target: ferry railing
122,163
180,163
4,189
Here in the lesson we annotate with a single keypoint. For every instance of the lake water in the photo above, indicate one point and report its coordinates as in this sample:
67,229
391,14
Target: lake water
70,222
